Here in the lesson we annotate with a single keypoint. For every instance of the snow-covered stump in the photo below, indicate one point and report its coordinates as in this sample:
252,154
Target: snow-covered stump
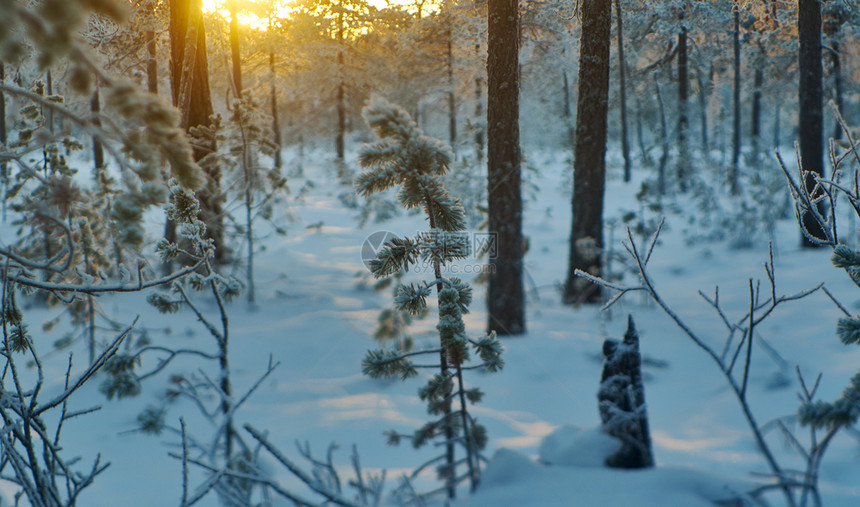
621,400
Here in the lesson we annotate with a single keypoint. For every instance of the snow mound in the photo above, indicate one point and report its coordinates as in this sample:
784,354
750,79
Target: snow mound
571,472
571,446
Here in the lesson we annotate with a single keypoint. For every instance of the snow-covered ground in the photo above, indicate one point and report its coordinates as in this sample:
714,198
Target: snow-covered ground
315,314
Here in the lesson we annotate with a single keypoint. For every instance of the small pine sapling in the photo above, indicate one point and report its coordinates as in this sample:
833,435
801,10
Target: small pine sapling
404,156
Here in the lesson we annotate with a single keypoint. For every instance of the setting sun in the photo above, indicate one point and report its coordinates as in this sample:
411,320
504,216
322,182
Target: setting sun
249,19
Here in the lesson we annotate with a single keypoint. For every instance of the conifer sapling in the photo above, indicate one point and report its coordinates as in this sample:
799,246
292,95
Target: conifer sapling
404,157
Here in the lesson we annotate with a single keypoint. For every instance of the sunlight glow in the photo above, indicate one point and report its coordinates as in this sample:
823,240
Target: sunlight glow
284,9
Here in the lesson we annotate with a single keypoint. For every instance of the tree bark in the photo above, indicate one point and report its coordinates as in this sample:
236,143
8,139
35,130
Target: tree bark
810,117
755,113
736,104
566,110
622,88
234,49
586,238
479,113
339,141
452,98
505,295
98,149
836,71
683,92
703,109
621,401
189,74
151,62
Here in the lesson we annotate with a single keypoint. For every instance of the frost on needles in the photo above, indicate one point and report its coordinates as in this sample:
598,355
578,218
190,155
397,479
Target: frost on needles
404,157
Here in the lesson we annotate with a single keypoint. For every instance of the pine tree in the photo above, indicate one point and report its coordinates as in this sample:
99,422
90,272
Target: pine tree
586,237
405,157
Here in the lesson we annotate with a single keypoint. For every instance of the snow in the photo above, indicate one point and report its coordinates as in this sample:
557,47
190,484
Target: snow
315,314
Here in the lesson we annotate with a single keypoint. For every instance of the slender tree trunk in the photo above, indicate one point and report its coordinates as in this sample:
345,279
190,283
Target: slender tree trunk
836,70
755,113
479,113
189,74
151,62
505,295
49,113
703,109
586,237
98,149
339,142
736,104
235,55
276,121
776,135
622,87
664,141
566,110
640,137
4,168
683,92
810,119
452,99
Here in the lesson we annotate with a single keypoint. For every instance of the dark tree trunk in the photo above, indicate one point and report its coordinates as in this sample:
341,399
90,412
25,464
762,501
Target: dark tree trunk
836,71
234,49
189,74
776,134
622,89
621,401
505,295
479,113
683,92
49,113
755,113
736,104
3,132
151,62
276,121
640,137
566,110
703,109
98,149
664,141
339,141
452,99
4,168
810,118
586,237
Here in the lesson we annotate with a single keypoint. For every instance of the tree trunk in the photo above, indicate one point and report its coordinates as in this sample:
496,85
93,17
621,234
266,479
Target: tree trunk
703,110
505,296
683,88
621,401
810,118
49,113
234,49
566,110
836,71
452,99
664,141
586,238
755,113
736,104
622,88
276,121
189,74
339,142
98,149
151,62
479,113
